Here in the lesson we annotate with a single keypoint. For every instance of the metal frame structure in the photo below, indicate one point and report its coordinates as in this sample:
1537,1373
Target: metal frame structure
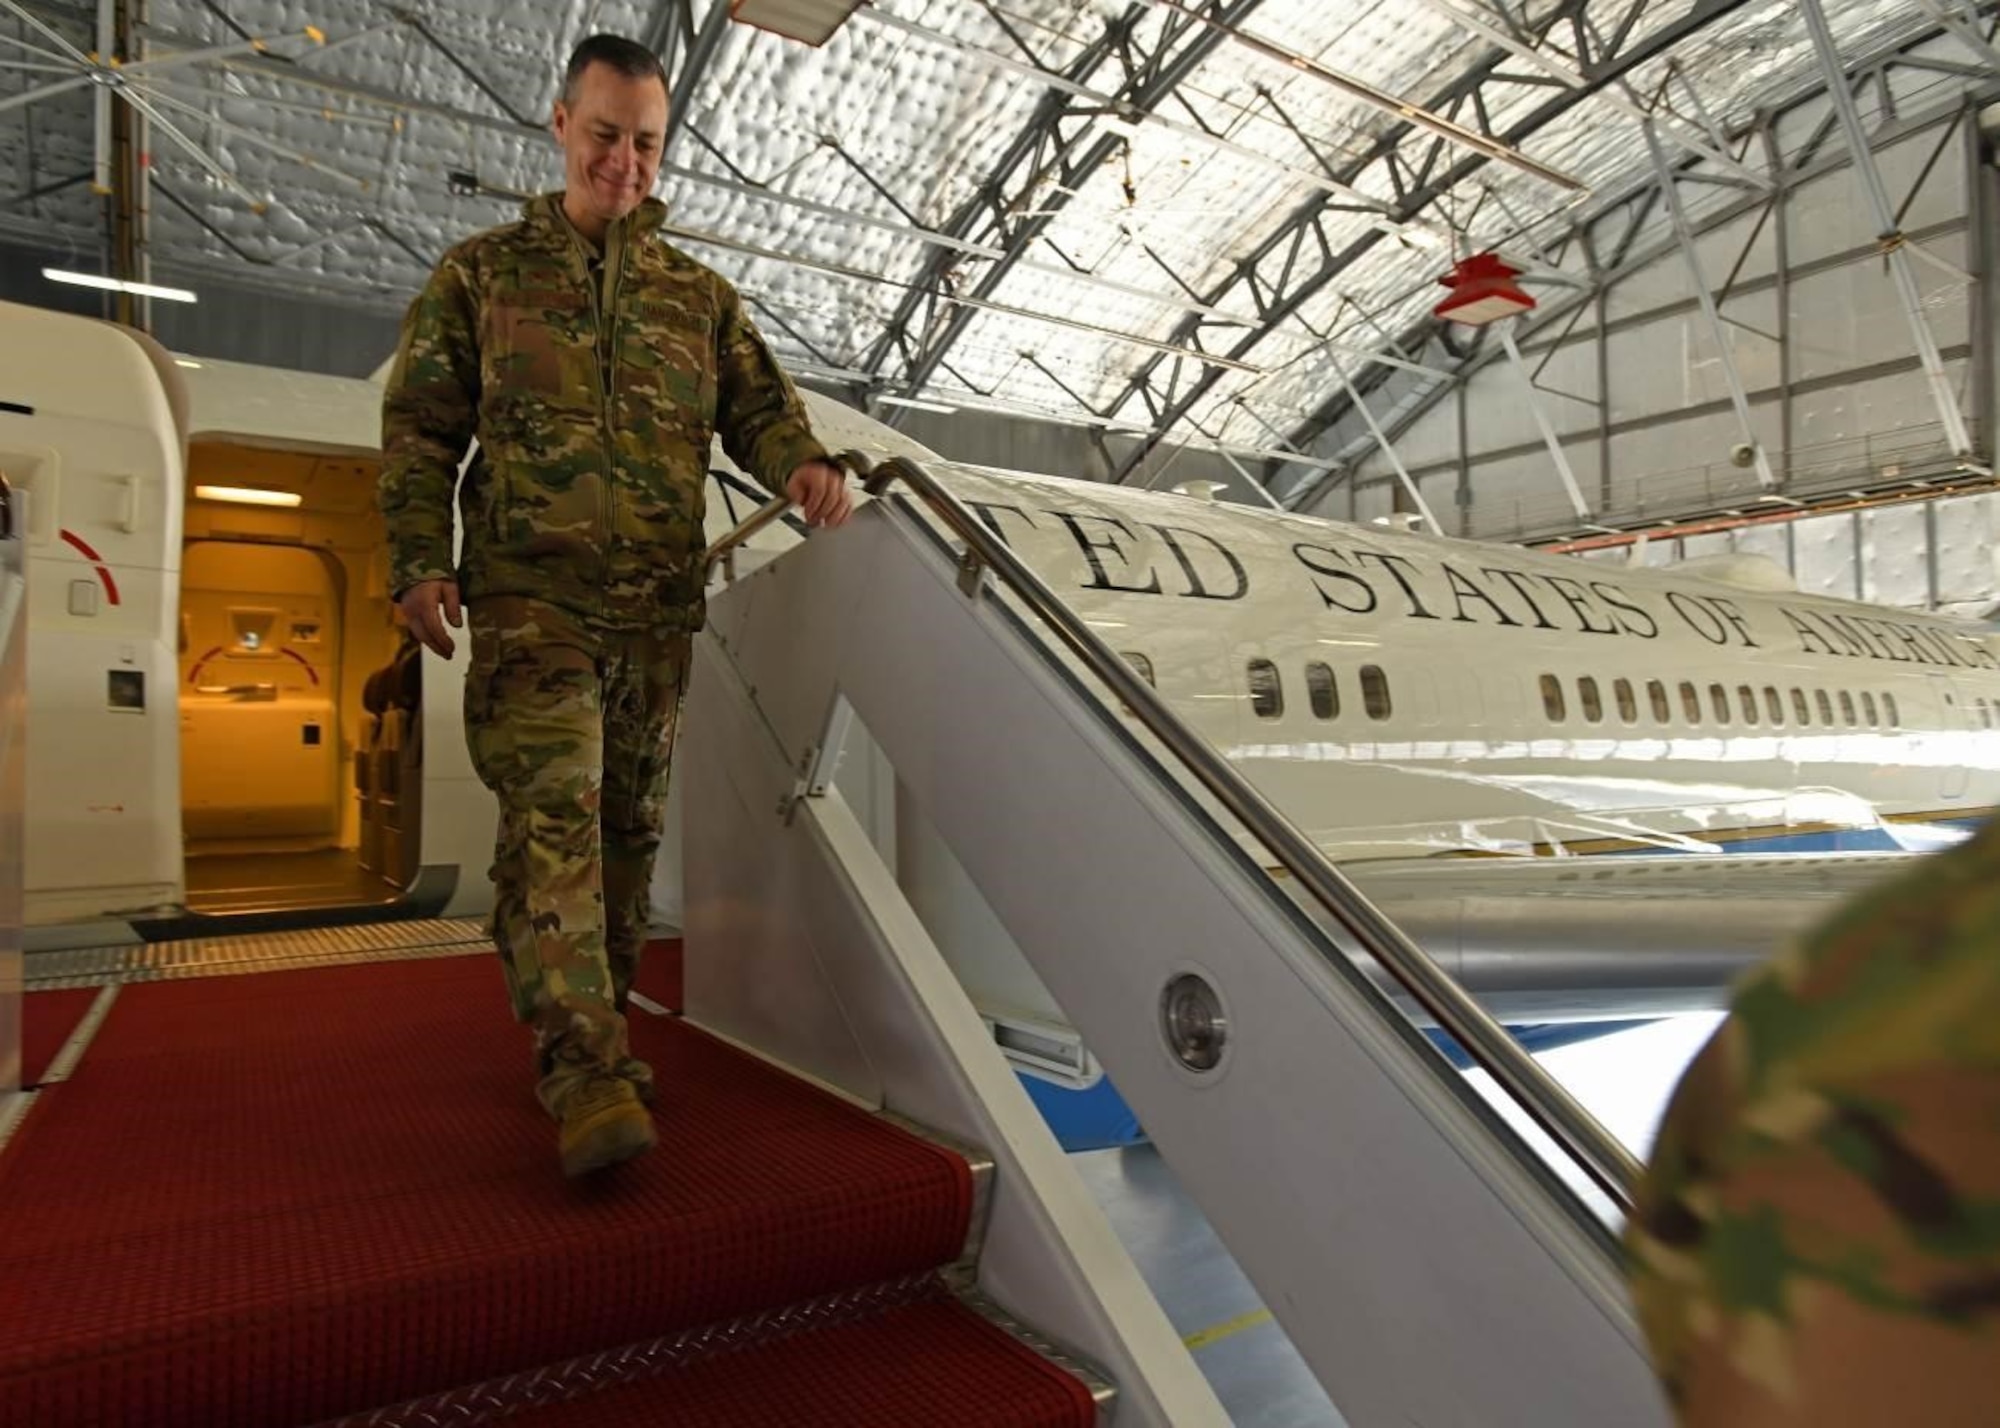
1278,295
1410,180
1042,157
1889,232
1609,242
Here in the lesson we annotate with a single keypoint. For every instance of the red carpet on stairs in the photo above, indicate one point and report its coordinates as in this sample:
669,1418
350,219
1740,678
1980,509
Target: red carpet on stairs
47,1021
279,1199
922,1366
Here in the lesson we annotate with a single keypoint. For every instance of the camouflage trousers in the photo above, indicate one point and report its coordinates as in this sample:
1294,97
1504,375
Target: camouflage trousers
572,728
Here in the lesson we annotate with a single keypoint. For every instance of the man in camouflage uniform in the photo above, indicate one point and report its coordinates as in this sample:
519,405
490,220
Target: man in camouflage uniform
1817,1240
593,363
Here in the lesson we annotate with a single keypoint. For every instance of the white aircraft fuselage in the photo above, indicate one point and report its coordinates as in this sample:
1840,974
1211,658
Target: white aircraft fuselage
1396,695
1401,694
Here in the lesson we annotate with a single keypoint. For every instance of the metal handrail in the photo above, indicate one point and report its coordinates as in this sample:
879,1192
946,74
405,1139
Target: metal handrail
725,547
1539,1095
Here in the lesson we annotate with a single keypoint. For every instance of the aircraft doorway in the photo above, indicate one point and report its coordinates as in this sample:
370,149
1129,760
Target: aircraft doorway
298,731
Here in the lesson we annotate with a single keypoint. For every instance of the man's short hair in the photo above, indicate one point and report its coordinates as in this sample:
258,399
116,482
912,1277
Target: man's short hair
628,57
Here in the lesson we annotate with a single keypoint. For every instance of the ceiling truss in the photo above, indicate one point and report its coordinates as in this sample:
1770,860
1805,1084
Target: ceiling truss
1609,240
1040,172
1276,280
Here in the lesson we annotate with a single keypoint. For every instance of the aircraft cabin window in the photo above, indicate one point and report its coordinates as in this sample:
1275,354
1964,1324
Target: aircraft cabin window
1746,698
1375,691
1656,692
1718,703
1320,688
1593,705
1690,703
1825,707
1889,709
1628,706
1267,690
1552,699
1141,666
1774,707
1868,710
1801,715
1847,709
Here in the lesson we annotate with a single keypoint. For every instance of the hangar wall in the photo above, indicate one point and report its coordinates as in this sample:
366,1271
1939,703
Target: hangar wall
1919,555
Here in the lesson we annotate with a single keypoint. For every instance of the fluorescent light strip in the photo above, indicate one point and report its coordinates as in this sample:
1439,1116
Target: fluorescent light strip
247,495
117,285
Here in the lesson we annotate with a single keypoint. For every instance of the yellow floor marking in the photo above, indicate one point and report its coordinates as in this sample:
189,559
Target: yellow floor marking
1228,1328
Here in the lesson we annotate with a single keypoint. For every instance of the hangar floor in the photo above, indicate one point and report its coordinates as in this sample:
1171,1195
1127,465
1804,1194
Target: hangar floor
1255,1371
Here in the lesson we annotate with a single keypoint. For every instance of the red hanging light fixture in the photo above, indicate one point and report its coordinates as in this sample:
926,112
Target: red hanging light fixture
1482,291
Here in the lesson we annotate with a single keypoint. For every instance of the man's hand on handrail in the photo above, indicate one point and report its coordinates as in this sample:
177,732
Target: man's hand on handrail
819,490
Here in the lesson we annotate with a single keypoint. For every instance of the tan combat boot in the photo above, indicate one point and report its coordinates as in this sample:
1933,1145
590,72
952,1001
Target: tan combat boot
641,1077
603,1123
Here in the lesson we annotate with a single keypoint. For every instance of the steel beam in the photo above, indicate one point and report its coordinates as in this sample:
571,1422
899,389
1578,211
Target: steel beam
1022,167
1549,438
1889,233
1609,71
1449,130
670,26
1387,448
1684,233
1561,73
701,52
100,99
1982,196
1781,258
1965,31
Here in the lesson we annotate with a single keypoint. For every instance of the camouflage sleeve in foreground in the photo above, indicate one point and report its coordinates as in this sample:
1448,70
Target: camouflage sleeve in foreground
758,413
1818,1234
430,408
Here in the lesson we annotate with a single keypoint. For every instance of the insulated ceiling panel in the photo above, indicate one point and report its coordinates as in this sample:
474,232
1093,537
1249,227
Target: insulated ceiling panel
934,147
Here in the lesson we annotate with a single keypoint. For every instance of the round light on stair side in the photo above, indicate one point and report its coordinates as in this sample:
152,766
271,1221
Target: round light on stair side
1196,1028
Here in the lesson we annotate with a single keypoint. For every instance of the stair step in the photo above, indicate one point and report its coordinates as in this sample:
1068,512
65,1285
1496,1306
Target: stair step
285,1198
925,1358
48,1019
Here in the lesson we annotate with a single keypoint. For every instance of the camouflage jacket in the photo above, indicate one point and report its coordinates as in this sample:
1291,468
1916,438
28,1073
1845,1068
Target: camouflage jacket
593,409
1818,1235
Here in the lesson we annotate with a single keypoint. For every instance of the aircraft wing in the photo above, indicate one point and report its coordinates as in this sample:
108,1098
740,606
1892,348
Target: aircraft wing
1584,939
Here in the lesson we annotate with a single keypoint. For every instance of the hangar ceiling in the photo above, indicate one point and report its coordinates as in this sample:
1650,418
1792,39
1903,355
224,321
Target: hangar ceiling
1175,220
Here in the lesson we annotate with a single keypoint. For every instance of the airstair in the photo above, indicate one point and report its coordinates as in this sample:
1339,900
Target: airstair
321,1195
